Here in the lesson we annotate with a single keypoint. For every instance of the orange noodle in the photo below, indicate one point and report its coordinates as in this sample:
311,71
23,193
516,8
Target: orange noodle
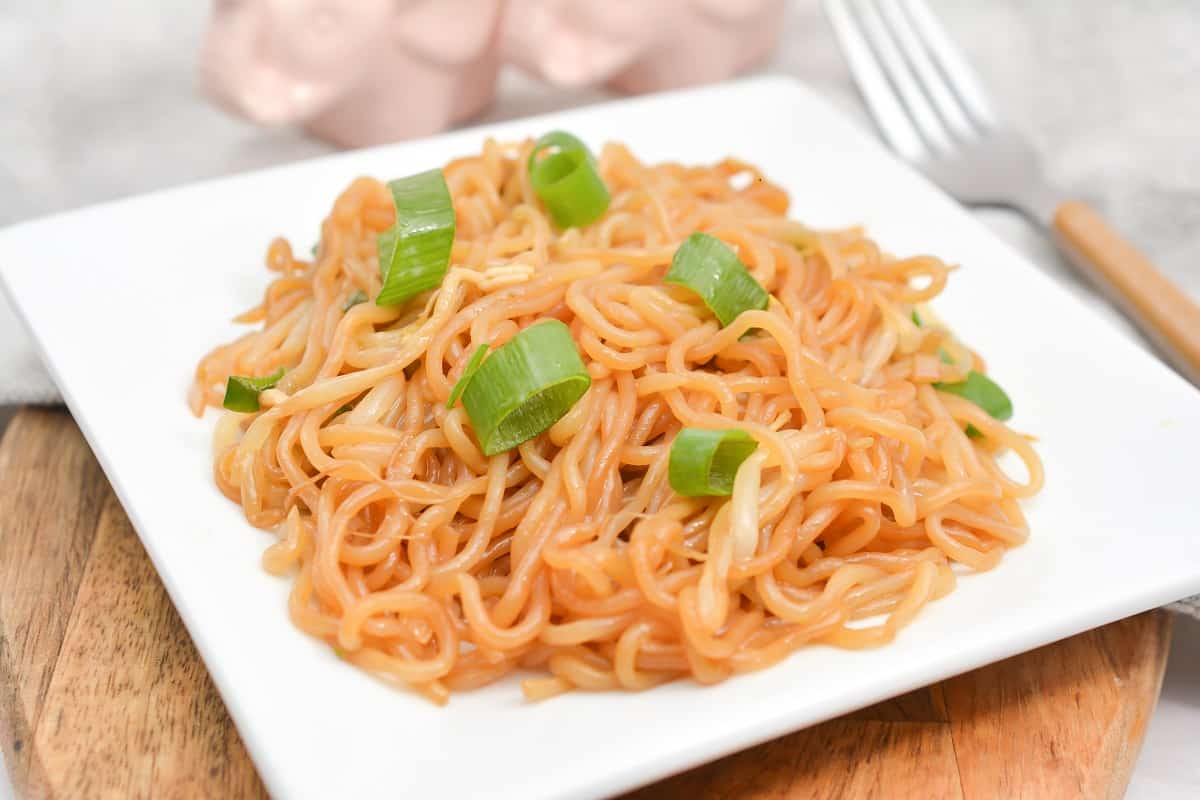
423,561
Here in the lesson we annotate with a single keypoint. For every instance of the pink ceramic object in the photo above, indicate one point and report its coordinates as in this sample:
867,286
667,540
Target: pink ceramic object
357,72
639,45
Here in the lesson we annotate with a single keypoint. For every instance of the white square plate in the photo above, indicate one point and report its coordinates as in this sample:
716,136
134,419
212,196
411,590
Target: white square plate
124,298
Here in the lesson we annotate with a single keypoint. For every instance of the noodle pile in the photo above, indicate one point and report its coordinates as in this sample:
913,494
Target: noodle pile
427,564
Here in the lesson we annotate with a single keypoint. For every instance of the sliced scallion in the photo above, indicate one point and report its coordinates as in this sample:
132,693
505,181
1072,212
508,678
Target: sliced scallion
977,387
564,175
525,386
703,463
415,252
241,393
983,392
358,297
468,373
711,269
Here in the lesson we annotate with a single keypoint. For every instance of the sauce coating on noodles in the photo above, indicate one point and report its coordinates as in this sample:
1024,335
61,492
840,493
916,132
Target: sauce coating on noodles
569,558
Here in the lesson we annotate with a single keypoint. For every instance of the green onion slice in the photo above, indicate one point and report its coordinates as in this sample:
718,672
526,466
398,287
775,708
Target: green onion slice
711,269
358,297
978,388
415,252
703,463
983,392
525,386
241,393
468,373
564,175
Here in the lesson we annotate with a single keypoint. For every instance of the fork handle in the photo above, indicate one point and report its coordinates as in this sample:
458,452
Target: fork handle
1159,308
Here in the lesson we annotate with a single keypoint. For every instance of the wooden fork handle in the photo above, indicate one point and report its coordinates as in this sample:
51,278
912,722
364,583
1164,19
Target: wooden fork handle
1152,301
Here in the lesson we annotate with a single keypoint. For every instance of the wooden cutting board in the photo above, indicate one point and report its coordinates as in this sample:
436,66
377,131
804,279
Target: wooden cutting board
103,695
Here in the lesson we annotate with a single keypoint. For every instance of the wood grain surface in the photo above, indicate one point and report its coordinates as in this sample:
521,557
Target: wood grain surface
102,693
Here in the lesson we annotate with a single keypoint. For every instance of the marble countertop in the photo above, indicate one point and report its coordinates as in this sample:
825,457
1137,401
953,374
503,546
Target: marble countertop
100,101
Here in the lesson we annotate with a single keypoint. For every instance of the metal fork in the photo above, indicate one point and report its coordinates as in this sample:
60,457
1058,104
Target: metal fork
934,112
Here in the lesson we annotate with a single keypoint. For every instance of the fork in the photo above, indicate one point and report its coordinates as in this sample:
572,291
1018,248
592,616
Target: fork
934,112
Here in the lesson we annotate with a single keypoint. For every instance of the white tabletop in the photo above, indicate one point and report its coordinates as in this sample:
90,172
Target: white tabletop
99,100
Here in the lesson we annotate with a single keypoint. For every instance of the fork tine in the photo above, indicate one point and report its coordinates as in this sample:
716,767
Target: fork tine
952,63
901,77
889,114
940,95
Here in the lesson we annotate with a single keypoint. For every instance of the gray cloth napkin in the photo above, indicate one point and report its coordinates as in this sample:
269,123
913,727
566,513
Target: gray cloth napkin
100,101
1188,605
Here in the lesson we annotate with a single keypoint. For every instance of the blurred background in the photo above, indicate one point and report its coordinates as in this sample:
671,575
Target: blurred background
104,100
100,100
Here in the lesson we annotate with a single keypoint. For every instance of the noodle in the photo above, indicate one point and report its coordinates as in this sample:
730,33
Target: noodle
432,565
